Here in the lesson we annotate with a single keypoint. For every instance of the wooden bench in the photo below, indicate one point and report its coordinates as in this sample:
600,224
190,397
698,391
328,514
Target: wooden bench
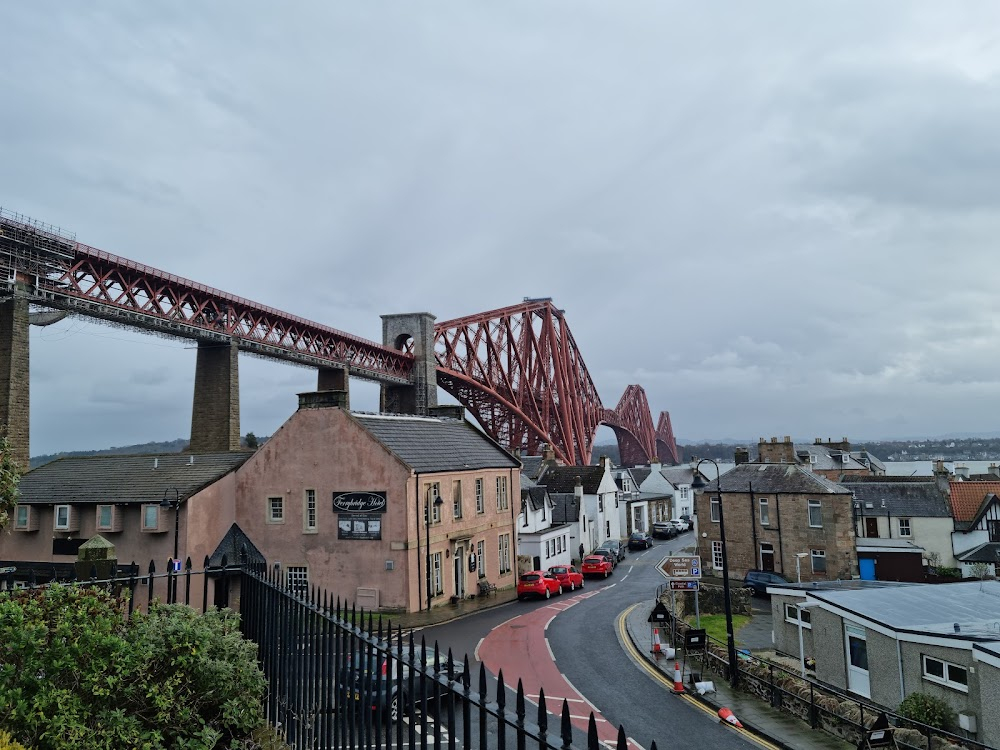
486,588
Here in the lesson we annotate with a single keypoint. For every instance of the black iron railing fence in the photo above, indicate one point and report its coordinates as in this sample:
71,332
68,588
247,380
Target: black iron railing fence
345,678
822,706
174,585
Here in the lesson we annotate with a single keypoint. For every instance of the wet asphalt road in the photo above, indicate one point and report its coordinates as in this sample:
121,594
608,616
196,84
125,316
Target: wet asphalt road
588,651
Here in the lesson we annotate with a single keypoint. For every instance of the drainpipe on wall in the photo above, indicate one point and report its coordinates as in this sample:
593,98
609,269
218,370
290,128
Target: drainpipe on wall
753,525
777,517
420,599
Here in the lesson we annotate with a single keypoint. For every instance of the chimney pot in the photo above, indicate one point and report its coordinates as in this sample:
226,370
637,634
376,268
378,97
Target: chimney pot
788,438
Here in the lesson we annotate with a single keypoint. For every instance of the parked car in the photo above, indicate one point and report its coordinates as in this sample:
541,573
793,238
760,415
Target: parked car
686,517
640,540
758,581
538,583
597,565
664,530
608,554
615,546
387,692
681,525
568,576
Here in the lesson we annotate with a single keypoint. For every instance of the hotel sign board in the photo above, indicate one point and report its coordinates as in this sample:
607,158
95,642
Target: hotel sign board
359,514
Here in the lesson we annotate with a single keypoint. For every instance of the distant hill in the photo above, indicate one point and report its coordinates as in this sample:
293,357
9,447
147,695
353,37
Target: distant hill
167,446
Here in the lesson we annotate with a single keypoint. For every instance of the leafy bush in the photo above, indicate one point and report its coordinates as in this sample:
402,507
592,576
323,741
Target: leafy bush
927,710
946,572
76,672
9,743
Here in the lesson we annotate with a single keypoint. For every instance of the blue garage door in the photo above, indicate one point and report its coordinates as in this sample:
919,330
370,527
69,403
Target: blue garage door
867,566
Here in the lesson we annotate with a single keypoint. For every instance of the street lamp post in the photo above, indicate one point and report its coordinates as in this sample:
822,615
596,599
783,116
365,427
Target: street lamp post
437,502
175,503
698,485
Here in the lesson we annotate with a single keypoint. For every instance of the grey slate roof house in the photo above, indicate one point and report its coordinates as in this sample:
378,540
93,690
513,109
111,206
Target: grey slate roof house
774,512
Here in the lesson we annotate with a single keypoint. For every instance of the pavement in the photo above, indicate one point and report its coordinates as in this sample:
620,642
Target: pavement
453,611
756,634
757,716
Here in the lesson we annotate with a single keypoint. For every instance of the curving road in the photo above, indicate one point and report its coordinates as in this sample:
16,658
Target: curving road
574,647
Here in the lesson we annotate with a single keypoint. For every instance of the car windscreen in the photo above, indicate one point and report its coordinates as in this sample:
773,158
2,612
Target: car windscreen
558,571
593,560
530,577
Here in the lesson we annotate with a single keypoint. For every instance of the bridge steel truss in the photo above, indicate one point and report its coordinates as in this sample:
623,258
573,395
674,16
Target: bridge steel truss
87,281
519,371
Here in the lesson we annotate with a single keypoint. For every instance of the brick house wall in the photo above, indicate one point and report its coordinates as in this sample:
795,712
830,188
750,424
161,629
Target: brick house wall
787,531
321,452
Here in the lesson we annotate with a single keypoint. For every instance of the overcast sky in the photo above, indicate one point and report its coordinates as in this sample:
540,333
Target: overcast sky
778,218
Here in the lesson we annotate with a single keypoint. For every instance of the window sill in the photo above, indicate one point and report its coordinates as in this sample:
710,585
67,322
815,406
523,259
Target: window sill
944,683
310,531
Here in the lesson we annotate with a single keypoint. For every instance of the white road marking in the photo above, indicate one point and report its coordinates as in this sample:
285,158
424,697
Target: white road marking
549,647
475,653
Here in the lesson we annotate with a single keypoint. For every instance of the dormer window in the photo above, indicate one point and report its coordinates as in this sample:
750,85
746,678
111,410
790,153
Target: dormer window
66,519
25,518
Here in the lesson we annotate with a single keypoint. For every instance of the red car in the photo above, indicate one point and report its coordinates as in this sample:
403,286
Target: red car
538,583
596,565
568,576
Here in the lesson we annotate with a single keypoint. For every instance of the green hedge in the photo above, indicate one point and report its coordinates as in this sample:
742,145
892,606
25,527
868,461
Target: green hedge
75,672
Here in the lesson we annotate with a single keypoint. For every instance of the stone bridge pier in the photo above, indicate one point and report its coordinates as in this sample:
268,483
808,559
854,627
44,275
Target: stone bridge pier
420,395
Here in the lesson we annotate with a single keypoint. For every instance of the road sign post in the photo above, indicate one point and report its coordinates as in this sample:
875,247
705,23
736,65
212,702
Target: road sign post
684,584
684,574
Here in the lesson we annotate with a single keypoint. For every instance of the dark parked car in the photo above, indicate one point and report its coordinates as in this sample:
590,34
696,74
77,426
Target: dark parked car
664,530
640,540
607,554
378,681
615,546
758,581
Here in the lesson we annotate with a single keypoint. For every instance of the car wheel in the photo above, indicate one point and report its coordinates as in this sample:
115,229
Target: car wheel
393,713
572,586
607,573
581,582
548,593
560,589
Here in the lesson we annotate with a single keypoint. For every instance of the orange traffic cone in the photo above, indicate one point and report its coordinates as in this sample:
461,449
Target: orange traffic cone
656,642
678,680
727,716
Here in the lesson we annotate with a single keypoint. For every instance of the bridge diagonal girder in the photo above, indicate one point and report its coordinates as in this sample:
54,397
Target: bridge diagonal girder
88,281
519,371
666,444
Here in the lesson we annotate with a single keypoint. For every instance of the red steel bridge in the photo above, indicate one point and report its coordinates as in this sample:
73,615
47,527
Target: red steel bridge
517,369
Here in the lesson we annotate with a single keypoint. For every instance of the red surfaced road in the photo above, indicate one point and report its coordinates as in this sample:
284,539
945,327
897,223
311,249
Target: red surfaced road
518,648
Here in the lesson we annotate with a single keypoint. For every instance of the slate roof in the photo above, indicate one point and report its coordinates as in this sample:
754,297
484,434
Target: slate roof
535,496
875,544
678,474
967,497
233,543
919,499
563,478
827,458
429,444
925,608
640,475
987,553
126,479
563,510
873,461
883,478
531,466
775,478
